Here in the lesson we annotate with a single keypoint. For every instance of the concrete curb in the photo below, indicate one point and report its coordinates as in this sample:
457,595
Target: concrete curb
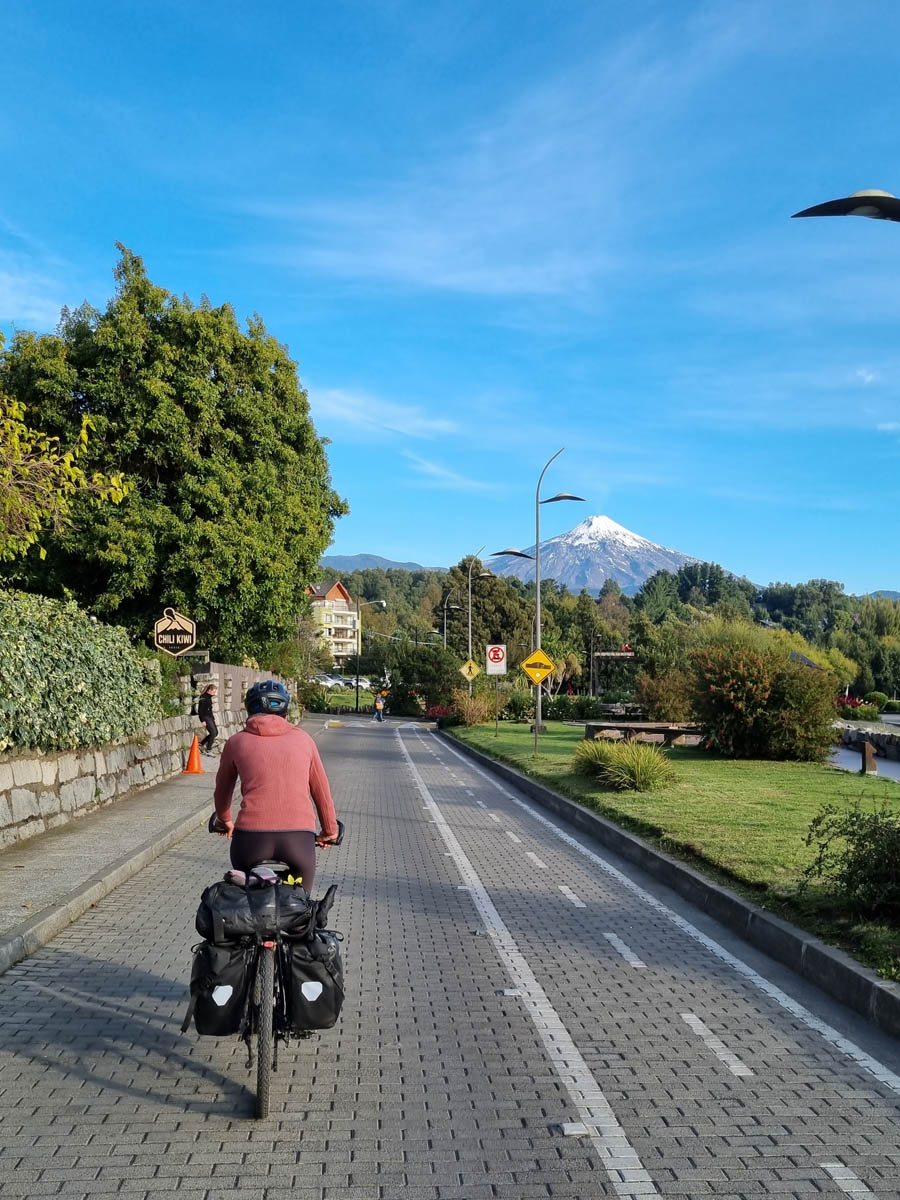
834,972
46,924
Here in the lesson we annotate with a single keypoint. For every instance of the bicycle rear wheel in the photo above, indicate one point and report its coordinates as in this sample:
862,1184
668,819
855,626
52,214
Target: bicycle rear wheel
265,1041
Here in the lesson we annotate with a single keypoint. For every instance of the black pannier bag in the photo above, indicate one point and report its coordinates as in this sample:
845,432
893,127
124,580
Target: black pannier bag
220,981
228,912
313,979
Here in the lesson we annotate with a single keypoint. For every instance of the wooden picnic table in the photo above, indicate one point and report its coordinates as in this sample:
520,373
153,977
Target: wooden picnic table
670,730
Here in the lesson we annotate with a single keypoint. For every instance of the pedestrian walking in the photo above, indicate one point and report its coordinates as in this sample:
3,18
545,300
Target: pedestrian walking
378,714
207,718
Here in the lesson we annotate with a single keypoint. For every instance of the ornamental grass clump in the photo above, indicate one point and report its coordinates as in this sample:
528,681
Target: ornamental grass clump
626,766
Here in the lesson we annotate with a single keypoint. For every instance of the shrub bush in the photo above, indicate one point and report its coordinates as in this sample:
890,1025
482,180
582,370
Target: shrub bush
520,706
558,708
858,712
627,765
859,852
892,706
879,699
67,681
312,697
755,703
667,697
587,707
475,709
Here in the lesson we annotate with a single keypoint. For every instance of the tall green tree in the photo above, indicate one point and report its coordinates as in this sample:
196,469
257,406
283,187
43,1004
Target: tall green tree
232,504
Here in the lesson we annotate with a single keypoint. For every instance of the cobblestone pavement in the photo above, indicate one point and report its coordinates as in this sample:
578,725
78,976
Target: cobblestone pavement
505,980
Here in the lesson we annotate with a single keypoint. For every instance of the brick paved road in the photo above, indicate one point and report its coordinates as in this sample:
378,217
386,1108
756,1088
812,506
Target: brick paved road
687,1075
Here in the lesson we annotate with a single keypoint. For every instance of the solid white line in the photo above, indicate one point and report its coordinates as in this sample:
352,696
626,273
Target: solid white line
849,1183
576,900
627,953
537,861
718,1047
513,838
625,1170
850,1049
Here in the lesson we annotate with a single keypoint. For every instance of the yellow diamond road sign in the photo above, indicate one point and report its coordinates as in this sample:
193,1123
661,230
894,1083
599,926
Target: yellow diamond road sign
469,670
538,666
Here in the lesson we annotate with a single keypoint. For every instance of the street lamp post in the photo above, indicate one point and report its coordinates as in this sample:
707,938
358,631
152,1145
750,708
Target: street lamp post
537,574
374,603
480,575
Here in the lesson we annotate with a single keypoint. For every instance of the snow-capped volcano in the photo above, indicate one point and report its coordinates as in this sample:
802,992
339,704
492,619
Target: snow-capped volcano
597,549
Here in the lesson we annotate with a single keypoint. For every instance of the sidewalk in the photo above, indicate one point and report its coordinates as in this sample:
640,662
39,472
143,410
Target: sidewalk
50,880
47,882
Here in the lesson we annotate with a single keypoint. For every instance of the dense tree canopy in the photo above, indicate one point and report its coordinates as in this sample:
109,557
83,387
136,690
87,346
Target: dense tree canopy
232,505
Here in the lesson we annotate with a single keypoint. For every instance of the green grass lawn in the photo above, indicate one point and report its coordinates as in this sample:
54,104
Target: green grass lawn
742,821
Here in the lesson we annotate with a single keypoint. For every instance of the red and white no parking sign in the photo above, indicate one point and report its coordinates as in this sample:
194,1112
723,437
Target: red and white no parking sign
496,659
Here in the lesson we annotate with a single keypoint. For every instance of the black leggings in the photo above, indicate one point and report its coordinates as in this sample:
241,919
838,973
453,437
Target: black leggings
212,732
296,847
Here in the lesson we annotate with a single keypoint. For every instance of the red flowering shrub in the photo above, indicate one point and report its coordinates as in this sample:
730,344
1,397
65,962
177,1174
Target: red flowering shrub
754,703
439,710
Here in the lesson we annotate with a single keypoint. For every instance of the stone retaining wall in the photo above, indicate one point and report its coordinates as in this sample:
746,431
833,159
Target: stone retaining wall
887,745
40,791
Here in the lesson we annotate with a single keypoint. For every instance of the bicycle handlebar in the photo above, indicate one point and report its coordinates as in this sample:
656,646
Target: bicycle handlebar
215,825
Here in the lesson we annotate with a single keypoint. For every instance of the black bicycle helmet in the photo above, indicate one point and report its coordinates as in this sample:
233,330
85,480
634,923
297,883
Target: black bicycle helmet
267,697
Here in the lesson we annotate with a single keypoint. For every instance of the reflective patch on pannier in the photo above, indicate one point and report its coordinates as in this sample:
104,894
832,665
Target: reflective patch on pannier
220,979
313,978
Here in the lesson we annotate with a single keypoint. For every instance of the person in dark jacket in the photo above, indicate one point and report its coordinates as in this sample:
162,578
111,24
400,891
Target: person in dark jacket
207,718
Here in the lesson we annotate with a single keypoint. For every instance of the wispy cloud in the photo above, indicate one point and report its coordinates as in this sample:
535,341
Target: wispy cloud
443,477
888,427
866,376
543,197
28,295
359,416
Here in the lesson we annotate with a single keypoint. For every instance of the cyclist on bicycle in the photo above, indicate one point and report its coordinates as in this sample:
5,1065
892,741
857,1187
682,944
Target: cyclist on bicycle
283,788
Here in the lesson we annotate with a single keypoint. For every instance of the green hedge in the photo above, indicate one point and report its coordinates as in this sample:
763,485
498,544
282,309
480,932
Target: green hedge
67,681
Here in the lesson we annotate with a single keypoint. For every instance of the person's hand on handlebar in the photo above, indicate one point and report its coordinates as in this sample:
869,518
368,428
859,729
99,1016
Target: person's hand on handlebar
223,828
332,841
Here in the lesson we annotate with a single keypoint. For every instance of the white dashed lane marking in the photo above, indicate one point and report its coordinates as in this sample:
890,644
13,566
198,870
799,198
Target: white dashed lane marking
513,837
827,1032
627,1174
627,953
537,861
494,817
718,1047
576,900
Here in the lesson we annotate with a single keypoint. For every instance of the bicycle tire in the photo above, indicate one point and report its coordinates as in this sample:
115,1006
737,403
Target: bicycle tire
265,1040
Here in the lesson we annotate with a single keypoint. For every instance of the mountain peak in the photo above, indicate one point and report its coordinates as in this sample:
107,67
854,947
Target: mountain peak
597,549
601,528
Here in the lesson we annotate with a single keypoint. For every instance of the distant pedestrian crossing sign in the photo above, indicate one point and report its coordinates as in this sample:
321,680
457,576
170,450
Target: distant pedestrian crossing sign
469,670
538,666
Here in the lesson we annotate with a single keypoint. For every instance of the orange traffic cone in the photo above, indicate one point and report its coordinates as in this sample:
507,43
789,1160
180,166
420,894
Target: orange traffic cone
193,763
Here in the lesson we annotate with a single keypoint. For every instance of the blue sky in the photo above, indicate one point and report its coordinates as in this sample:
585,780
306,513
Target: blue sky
486,231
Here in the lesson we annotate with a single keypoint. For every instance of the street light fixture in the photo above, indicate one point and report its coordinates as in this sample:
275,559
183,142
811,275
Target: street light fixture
870,202
454,607
537,574
375,604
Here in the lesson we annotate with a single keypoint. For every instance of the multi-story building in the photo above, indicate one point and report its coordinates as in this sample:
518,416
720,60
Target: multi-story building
335,613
